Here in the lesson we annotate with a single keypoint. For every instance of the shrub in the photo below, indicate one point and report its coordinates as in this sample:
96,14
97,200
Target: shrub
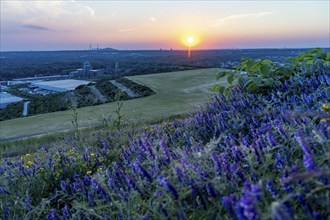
262,76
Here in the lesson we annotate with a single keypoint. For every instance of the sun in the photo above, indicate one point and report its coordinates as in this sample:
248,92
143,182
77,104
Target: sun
190,40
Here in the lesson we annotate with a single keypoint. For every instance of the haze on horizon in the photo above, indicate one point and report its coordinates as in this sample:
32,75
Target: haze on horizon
70,25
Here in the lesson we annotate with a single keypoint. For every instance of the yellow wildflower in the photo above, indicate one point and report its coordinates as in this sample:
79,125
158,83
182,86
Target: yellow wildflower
325,107
40,170
89,172
101,159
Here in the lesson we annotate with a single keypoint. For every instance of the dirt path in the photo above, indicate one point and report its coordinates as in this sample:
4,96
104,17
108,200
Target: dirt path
128,91
98,94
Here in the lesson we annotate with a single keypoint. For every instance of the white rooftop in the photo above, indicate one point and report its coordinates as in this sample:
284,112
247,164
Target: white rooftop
61,85
7,98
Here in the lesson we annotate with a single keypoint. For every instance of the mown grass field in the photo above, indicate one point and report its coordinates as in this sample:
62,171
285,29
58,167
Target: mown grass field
177,93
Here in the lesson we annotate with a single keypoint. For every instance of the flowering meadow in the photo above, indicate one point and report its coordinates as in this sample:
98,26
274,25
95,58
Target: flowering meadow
242,156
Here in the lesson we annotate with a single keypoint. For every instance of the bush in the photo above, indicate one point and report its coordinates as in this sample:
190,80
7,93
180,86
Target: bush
262,76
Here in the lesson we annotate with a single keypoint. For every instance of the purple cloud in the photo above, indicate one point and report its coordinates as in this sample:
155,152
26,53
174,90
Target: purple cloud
35,27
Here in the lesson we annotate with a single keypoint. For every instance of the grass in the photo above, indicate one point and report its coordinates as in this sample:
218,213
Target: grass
177,93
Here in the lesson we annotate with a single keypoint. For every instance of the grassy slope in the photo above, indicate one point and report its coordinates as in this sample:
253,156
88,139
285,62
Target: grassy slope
177,92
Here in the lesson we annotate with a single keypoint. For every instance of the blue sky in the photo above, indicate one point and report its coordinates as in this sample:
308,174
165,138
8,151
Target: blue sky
58,25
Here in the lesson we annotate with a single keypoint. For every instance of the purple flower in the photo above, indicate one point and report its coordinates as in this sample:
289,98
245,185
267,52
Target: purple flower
256,152
105,145
179,173
260,144
280,128
98,189
147,216
302,142
228,202
224,162
132,184
210,190
66,212
307,158
271,188
256,190
53,215
26,203
247,205
64,184
159,194
164,148
7,212
271,139
279,161
138,167
308,161
3,191
278,212
89,198
317,216
164,182
286,185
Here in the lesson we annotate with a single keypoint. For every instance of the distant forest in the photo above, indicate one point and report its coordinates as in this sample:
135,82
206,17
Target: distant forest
29,64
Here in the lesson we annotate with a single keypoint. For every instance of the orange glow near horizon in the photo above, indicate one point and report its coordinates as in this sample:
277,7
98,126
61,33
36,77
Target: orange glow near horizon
190,40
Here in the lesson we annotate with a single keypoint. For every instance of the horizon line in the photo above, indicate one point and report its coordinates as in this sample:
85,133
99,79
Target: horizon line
161,49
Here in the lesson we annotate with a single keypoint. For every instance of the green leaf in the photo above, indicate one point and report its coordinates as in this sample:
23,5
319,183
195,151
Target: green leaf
221,74
268,82
218,89
228,89
255,67
264,70
267,62
240,81
309,62
231,78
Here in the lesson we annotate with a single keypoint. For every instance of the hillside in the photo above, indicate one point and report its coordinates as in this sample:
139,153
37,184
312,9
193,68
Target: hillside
177,92
246,155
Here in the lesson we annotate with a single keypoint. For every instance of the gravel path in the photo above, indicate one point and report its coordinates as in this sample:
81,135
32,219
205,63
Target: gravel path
96,92
128,91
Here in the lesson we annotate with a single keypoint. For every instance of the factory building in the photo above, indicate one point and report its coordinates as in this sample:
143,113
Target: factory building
87,71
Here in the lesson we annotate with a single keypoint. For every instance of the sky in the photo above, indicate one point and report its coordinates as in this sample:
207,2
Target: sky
133,25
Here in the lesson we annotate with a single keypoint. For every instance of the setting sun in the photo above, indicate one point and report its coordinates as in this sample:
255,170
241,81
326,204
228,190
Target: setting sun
190,40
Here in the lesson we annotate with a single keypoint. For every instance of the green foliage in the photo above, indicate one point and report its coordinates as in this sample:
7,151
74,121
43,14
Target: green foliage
75,121
13,110
262,76
311,57
119,116
85,97
137,88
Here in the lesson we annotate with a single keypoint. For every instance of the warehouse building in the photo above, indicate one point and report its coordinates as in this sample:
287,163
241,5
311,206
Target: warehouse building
61,85
7,98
